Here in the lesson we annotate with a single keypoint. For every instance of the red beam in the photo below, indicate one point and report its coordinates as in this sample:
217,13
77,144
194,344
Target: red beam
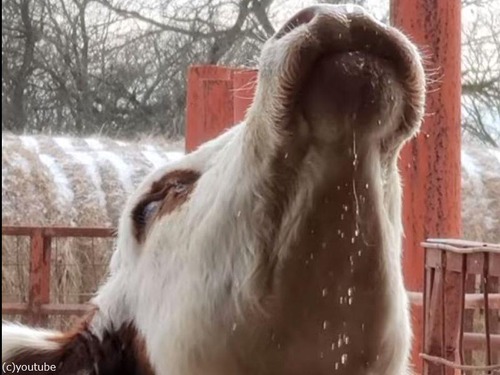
431,163
58,231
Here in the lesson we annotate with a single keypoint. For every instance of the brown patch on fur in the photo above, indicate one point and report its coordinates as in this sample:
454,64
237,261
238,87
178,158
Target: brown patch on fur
331,285
170,192
122,352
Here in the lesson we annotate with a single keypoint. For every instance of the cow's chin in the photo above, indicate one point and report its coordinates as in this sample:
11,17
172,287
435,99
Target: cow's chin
351,92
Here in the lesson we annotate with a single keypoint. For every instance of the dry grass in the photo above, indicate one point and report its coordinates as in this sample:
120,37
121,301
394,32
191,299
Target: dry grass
86,188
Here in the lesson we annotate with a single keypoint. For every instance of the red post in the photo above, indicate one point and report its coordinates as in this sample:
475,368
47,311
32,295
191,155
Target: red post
431,163
39,289
217,98
209,104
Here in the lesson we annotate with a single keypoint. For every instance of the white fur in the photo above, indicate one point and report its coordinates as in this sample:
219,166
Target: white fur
17,338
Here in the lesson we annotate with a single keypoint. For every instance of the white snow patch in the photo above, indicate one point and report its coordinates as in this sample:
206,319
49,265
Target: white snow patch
60,179
469,165
496,154
30,143
89,163
154,158
174,155
122,144
94,144
64,143
121,168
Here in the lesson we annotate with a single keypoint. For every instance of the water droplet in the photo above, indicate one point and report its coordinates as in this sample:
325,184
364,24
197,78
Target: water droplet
336,365
234,326
324,292
343,359
333,346
356,232
427,135
367,186
326,324
323,245
350,291
238,214
349,302
321,355
341,300
353,239
379,122
338,187
286,155
359,253
311,256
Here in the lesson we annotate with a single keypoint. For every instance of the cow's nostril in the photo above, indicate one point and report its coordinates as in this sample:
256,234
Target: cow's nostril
303,17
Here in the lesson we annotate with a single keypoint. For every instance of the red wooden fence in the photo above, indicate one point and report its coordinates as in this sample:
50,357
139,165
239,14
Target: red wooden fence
38,306
448,264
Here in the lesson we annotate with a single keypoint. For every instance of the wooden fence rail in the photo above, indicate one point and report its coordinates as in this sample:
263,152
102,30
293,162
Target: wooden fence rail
38,306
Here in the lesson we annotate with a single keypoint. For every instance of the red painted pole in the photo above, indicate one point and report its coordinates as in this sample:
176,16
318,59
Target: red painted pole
209,103
217,98
431,163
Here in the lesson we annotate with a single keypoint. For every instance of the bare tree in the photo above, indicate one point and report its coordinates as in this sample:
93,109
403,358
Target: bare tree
19,36
119,66
481,72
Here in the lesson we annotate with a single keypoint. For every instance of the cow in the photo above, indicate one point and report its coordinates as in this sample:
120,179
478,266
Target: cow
275,248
